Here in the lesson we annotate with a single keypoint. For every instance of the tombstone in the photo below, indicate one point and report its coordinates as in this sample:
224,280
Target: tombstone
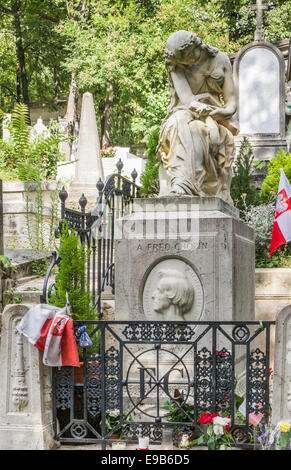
281,407
89,166
5,130
130,162
259,76
39,128
26,421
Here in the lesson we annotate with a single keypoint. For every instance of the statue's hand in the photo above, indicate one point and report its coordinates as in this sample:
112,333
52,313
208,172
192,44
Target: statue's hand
200,109
219,114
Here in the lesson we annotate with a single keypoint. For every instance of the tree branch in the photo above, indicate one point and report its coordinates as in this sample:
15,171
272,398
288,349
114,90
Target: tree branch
7,11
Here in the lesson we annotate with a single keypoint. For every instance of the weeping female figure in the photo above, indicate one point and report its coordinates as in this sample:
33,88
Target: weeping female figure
196,145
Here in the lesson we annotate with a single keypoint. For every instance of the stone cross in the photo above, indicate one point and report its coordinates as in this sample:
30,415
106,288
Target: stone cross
259,33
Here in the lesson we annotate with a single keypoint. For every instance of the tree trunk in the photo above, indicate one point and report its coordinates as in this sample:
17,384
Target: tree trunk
21,57
57,84
107,116
71,117
18,86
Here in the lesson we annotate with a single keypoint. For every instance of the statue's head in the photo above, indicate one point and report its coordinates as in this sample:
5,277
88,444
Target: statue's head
185,47
173,289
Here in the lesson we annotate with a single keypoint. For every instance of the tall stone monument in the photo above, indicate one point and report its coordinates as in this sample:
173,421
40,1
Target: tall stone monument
89,163
259,75
187,255
189,240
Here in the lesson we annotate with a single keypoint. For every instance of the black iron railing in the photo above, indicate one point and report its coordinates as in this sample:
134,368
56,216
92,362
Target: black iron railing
96,230
152,375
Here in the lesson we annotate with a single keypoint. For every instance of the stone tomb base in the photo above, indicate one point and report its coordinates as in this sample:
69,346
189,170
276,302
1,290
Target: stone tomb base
198,243
182,259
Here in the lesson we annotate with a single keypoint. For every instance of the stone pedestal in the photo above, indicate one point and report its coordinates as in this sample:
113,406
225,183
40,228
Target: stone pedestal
25,393
200,240
281,403
186,259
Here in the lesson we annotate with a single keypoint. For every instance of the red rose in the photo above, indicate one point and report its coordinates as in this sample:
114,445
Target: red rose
205,418
227,427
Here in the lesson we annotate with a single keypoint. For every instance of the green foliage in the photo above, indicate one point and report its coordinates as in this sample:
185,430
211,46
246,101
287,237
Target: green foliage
120,42
150,177
27,158
241,184
178,412
261,219
40,228
112,421
71,276
271,182
71,279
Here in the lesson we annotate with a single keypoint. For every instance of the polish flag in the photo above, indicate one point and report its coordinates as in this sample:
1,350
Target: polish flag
282,224
50,330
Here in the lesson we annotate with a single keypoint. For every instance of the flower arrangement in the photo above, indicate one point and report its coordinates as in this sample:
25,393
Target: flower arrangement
276,437
108,152
217,435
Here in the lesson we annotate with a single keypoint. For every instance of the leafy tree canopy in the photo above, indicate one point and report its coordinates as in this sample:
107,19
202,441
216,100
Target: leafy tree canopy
116,42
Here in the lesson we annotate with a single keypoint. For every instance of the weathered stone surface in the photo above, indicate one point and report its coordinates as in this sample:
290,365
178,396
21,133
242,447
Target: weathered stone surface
281,409
196,145
26,421
16,211
89,165
259,76
218,249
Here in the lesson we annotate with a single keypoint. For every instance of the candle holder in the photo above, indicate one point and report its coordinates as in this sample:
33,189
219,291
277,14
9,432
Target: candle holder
119,445
143,443
167,439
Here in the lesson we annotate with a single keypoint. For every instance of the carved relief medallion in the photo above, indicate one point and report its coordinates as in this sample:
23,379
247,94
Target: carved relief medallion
172,292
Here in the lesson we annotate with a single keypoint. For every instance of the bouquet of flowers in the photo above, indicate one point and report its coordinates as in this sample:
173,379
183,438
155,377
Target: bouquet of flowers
217,435
276,437
108,152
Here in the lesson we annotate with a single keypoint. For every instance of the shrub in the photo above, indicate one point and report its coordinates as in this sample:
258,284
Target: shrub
71,279
261,219
241,183
150,177
271,182
24,157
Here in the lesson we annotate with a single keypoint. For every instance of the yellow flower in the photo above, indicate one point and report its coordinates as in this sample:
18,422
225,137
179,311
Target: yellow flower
243,195
284,427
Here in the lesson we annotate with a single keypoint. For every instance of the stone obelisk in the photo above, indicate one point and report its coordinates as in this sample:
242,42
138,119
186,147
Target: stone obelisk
89,166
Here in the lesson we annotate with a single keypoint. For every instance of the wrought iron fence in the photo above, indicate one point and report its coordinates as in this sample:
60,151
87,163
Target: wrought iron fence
96,230
140,377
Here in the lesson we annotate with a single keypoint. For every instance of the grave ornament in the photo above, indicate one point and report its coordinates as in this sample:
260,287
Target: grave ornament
196,145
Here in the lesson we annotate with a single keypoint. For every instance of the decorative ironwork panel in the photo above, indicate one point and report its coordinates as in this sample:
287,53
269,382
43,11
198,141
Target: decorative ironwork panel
63,387
151,375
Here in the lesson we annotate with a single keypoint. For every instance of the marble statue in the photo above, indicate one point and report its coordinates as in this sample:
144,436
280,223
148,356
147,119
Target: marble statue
196,145
173,296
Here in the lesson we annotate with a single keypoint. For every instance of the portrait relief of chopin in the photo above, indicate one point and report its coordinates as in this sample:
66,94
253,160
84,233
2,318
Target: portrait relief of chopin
173,296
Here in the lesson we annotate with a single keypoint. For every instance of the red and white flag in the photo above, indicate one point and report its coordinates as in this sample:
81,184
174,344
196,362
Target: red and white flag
51,330
282,224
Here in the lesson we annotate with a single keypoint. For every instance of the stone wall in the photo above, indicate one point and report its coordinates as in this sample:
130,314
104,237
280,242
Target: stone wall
15,211
272,292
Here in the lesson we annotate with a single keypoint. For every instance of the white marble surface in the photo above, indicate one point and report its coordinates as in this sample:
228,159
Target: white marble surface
259,97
